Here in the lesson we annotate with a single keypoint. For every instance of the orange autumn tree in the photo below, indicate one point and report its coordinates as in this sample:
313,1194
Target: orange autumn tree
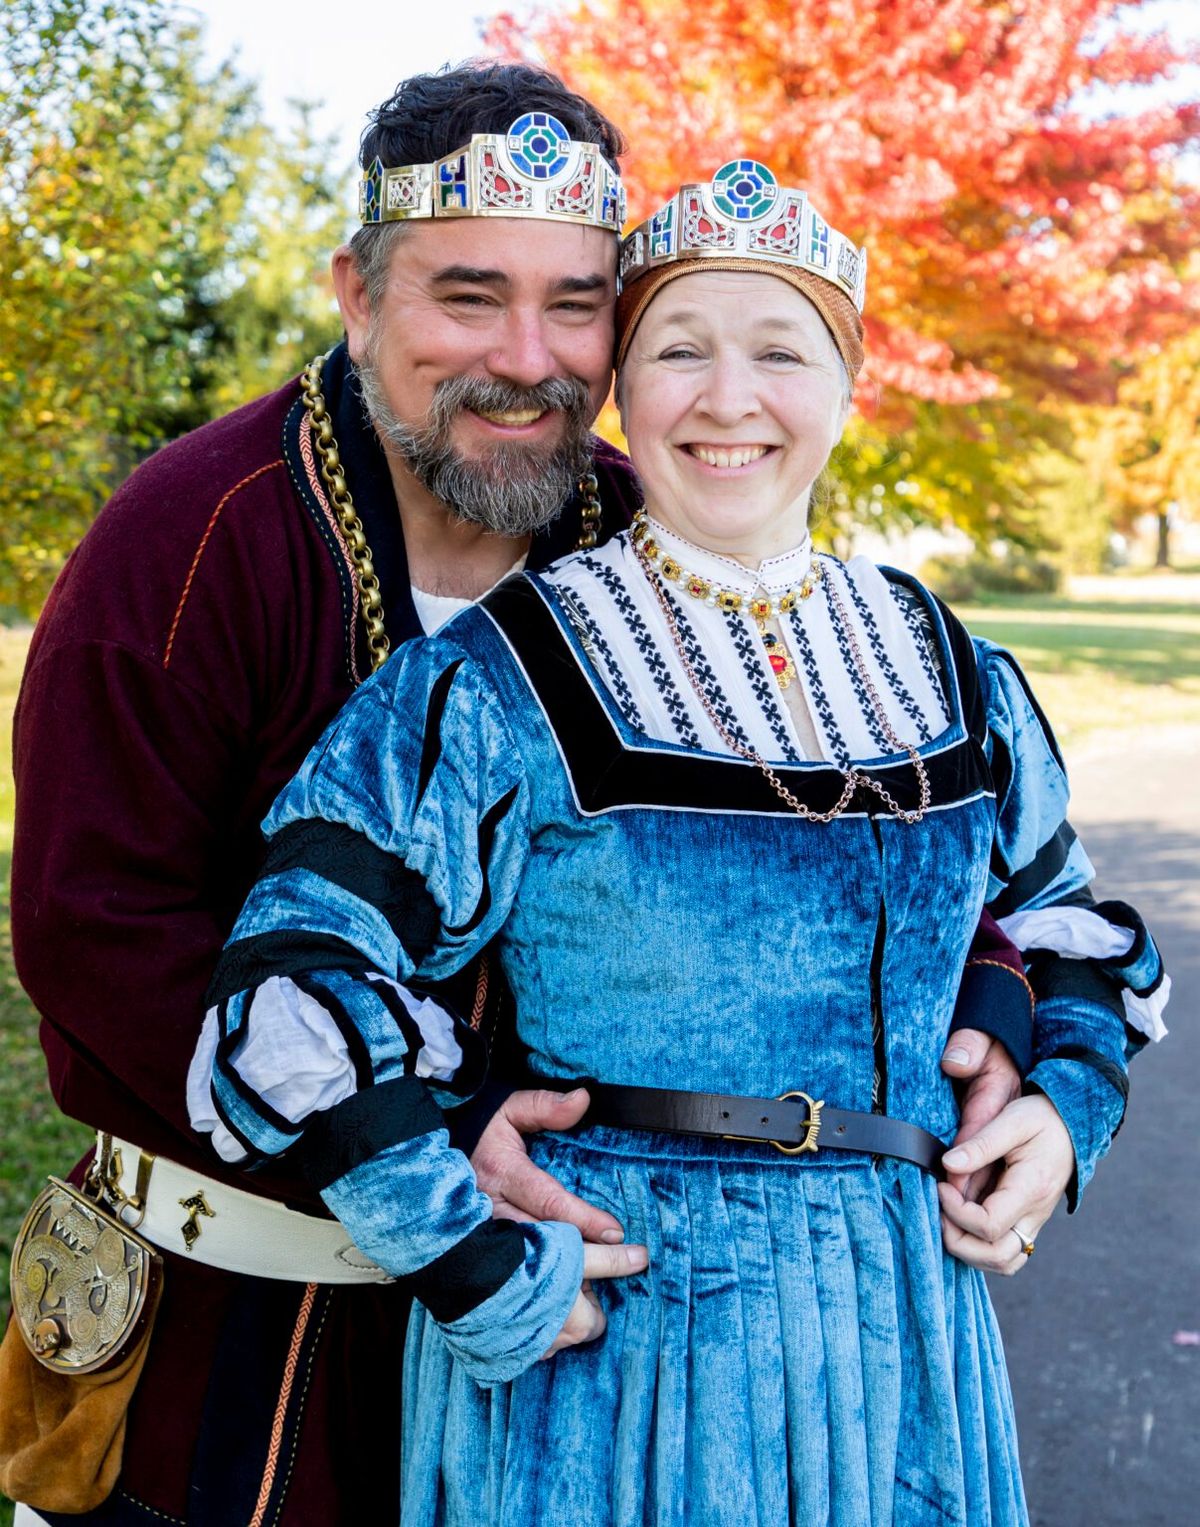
1023,247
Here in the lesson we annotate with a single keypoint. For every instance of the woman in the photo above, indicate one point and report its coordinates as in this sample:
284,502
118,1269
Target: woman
732,810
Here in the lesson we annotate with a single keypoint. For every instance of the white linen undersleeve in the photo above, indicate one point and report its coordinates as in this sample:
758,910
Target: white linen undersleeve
294,1056
1080,934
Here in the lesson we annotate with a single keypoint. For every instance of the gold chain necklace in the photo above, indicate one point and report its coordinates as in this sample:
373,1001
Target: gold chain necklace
353,535
853,776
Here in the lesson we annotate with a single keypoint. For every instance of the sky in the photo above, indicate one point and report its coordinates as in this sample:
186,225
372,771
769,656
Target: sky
349,54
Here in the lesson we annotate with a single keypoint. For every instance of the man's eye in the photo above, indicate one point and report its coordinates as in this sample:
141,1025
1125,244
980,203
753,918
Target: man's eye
469,300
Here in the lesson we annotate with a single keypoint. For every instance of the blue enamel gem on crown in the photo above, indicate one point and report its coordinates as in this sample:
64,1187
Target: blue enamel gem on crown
744,189
372,184
536,142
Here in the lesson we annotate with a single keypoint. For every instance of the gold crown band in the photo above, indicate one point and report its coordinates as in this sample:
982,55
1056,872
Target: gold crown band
534,170
744,214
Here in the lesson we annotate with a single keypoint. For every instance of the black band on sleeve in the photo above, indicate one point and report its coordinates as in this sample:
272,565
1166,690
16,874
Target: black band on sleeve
993,998
347,858
463,1277
251,961
338,1139
1114,1075
1055,975
494,815
1045,865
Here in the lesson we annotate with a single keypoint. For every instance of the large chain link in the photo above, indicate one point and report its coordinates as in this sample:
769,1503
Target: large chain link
854,777
353,535
370,598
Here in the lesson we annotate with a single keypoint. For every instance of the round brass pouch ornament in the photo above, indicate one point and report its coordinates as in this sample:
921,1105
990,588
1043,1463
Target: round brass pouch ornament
83,1284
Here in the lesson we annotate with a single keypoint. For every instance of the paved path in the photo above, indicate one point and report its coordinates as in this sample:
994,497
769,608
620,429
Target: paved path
1108,1404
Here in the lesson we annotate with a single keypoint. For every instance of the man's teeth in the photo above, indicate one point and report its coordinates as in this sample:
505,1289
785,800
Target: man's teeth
514,416
738,458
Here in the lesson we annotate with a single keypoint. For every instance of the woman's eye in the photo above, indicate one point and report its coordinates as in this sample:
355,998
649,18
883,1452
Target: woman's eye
678,353
784,357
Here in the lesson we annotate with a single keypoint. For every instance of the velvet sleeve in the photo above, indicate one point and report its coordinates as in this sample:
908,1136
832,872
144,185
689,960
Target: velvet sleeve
394,856
1081,1038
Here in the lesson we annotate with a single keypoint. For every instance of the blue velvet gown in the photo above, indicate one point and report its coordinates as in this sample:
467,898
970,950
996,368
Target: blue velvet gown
801,1349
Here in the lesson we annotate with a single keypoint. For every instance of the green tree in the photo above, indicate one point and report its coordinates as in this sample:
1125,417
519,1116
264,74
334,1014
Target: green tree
144,211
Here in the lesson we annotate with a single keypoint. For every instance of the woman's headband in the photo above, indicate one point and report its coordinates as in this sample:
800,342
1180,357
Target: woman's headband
744,220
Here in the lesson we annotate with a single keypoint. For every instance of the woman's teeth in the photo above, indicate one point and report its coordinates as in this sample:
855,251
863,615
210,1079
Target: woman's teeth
513,417
736,458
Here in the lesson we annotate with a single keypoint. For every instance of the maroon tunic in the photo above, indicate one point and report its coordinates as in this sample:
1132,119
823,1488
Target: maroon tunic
196,644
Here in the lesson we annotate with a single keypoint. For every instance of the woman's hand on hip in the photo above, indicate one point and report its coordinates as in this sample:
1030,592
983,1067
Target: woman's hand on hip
1032,1142
586,1320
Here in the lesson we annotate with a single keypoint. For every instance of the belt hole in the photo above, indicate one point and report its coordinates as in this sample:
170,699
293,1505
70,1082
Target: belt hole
724,1113
840,1130
763,1120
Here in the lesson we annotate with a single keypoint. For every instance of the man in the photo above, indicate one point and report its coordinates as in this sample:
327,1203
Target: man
224,605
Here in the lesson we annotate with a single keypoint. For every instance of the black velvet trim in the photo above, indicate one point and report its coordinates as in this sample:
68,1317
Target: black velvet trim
1002,773
607,774
356,1045
347,858
463,1277
1037,874
994,999
492,818
1054,975
431,746
338,1139
1125,916
1113,1074
251,961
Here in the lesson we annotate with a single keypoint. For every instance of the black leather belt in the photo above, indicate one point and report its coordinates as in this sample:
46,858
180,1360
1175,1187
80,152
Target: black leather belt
793,1123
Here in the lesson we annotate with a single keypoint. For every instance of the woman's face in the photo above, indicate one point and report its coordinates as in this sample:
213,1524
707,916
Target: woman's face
732,396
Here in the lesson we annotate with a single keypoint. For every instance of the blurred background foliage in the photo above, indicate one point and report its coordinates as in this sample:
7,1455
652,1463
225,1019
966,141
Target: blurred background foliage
162,259
1034,317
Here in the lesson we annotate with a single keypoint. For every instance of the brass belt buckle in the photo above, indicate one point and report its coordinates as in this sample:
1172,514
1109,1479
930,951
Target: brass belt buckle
812,1126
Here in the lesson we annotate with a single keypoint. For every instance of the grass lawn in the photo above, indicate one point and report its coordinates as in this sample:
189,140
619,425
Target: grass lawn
1096,665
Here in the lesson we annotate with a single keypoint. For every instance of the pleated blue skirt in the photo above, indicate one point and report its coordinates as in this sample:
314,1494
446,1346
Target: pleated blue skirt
800,1350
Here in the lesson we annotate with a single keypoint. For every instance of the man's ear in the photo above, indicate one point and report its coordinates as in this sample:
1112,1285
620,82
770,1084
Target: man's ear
351,296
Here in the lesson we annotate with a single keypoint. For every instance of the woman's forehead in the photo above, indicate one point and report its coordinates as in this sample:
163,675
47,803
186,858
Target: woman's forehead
752,299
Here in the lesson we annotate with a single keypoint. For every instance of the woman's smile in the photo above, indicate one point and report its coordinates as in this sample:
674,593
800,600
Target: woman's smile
727,457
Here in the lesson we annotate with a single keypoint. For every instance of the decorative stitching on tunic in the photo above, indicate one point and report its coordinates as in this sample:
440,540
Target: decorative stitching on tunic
820,700
588,630
142,1506
878,735
916,618
281,1405
886,666
208,530
648,647
1000,965
703,670
316,1342
764,689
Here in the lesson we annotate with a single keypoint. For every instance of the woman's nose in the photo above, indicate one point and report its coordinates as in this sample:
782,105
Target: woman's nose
730,391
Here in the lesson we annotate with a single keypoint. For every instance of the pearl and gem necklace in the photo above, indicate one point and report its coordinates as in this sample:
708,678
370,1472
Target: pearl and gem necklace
760,607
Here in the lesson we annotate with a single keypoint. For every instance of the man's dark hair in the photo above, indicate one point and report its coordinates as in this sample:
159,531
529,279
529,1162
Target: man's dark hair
431,115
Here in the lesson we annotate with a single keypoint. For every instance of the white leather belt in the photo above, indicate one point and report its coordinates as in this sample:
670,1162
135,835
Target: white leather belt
210,1222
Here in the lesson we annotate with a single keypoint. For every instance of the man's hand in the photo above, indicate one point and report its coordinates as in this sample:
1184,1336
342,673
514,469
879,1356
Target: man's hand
1033,1143
521,1191
992,1083
586,1320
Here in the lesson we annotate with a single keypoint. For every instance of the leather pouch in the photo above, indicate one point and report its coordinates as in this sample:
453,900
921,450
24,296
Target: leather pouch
85,1292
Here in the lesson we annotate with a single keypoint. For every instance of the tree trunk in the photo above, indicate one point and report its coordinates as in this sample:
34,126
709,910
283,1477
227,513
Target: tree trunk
1163,558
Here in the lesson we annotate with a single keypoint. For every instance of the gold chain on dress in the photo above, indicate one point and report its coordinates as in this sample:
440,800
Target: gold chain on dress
353,535
853,776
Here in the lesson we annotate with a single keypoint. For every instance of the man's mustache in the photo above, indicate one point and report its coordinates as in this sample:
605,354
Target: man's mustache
490,395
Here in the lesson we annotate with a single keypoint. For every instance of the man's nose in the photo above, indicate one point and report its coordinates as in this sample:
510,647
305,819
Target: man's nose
521,354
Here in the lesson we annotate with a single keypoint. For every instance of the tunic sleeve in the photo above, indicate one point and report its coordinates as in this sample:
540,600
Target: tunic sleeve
394,856
1090,990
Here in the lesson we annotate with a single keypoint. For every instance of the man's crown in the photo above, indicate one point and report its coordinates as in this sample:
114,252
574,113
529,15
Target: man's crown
536,169
743,213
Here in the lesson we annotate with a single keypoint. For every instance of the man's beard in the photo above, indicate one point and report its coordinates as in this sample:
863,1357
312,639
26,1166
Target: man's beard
511,490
